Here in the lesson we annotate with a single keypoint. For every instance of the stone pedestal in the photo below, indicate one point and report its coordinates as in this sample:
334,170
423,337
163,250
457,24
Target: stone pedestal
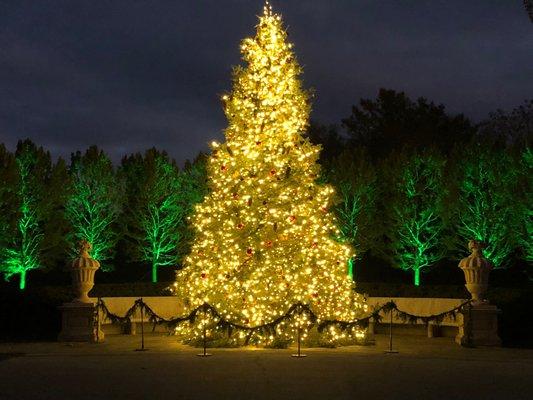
79,323
478,326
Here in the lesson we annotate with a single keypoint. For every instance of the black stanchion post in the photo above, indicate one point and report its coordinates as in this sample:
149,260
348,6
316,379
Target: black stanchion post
469,327
142,327
98,320
299,335
204,322
390,351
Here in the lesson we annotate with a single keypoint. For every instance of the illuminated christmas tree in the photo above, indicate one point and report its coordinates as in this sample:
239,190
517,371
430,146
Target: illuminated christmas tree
265,233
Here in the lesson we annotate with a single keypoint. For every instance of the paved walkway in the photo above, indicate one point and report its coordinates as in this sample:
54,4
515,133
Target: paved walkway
423,369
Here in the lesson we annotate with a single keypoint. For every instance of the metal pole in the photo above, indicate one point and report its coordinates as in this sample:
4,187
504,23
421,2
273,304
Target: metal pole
98,321
142,327
299,334
390,332
205,353
390,351
205,340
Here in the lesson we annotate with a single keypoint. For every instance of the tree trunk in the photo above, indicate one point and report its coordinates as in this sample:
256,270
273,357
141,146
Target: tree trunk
417,277
22,283
350,268
154,273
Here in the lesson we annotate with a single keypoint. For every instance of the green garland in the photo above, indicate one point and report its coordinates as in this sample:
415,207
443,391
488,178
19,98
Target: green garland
270,328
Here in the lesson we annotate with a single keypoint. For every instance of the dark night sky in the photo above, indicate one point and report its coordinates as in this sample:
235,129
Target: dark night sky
128,75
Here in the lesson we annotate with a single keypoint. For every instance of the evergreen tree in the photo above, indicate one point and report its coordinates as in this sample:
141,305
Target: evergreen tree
194,188
264,235
509,128
413,207
328,137
393,121
94,204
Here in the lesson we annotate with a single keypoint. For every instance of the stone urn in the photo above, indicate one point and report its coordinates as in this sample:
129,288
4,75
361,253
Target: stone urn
476,269
82,272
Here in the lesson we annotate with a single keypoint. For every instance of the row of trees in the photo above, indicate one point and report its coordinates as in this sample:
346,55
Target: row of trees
416,208
47,208
414,185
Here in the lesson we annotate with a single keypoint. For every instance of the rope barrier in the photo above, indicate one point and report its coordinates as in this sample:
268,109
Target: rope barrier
270,328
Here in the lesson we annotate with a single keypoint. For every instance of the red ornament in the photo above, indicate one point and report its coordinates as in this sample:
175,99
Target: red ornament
223,168
204,275
315,295
314,245
292,218
272,172
268,243
240,225
235,196
258,143
324,209
249,251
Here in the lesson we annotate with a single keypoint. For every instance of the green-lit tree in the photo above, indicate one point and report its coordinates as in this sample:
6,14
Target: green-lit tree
525,232
9,180
413,210
484,200
94,204
355,180
158,208
8,198
29,200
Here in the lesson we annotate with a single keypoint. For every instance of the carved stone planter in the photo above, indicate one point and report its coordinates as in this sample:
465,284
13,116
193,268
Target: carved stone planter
79,322
82,272
478,322
476,269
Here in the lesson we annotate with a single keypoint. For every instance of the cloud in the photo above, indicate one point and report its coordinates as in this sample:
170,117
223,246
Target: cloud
130,75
